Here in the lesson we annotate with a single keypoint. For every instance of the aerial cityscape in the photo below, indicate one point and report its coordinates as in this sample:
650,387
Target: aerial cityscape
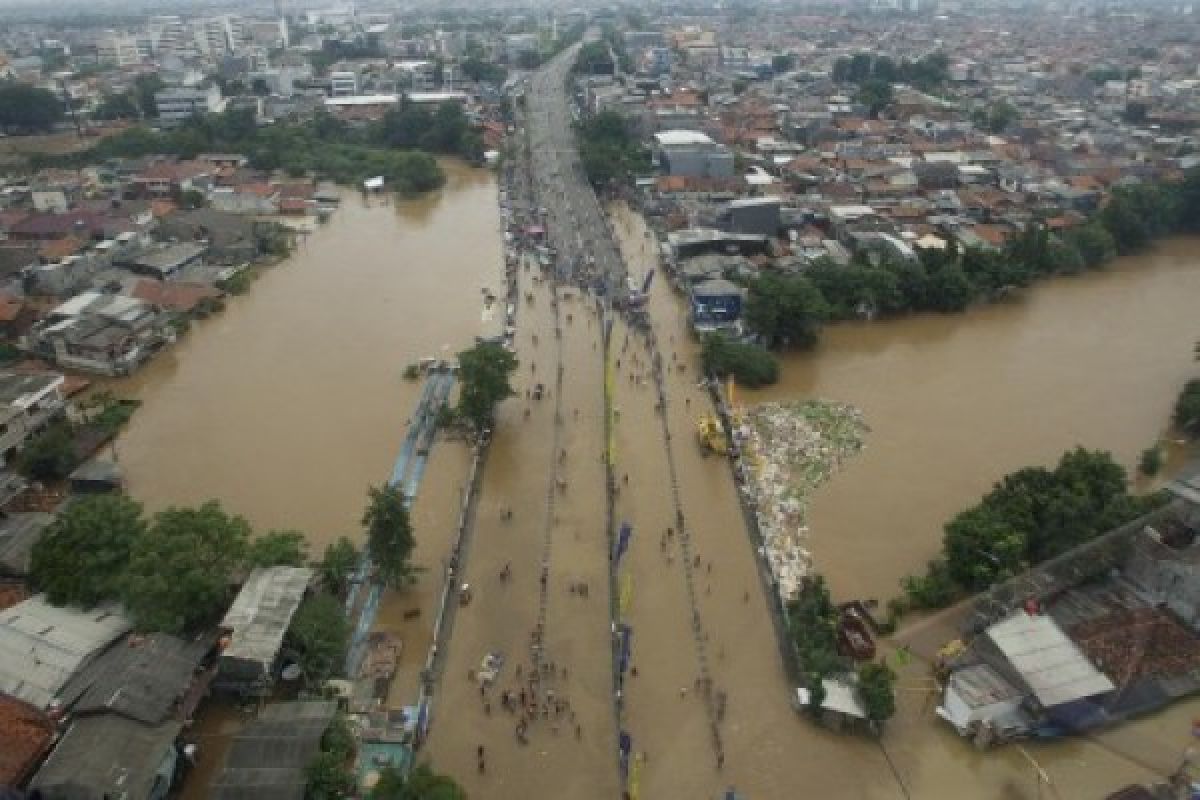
720,400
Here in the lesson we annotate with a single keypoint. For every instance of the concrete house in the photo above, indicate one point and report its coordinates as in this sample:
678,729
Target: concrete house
100,333
28,403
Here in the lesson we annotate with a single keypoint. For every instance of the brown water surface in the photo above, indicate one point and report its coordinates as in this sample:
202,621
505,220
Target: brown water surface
290,403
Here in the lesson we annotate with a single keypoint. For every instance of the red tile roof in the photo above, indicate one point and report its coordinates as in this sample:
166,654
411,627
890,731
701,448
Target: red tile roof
25,736
10,306
175,296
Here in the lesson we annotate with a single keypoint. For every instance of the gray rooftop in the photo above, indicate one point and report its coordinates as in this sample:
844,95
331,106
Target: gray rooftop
20,388
43,646
268,758
106,756
18,534
142,679
262,611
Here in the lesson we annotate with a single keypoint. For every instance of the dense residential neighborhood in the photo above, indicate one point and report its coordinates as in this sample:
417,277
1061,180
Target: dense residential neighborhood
784,165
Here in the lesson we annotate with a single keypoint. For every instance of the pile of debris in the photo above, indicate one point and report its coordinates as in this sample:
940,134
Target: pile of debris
788,450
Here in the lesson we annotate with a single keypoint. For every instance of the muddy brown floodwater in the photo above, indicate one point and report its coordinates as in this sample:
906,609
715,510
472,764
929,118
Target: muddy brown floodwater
290,403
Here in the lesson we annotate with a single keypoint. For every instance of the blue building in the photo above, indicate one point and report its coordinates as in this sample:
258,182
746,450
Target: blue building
716,305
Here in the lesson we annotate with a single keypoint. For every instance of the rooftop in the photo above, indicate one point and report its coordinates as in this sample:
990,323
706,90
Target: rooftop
262,611
25,736
980,685
106,756
1055,669
43,646
681,138
141,679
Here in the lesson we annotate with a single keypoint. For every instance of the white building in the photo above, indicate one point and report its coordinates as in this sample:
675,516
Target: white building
178,104
343,83
118,49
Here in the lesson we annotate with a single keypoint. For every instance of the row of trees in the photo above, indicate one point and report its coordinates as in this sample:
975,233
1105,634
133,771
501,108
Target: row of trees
926,73
24,109
749,364
610,149
445,130
323,145
174,571
789,310
1031,515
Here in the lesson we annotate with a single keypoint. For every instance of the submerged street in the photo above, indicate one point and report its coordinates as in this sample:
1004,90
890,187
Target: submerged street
291,403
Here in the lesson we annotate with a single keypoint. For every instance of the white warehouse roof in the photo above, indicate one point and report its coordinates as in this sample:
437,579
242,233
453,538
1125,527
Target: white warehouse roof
1056,670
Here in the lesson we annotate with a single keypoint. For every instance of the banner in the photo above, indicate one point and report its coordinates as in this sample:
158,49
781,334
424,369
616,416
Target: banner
622,541
626,594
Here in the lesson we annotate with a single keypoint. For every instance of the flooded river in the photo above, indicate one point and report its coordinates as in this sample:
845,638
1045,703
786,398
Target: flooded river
290,403
955,402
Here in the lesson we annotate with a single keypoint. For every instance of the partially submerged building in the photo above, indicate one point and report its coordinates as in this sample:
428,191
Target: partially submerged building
255,626
1102,633
108,334
127,708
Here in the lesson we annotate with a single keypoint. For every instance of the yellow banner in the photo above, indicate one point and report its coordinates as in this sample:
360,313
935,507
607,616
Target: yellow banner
626,593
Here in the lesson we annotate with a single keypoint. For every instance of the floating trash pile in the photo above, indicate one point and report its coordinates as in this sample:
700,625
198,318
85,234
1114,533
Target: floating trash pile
787,451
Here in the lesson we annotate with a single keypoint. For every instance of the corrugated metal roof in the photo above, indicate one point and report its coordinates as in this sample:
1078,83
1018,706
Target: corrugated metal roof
1055,669
141,679
107,757
43,646
259,617
268,758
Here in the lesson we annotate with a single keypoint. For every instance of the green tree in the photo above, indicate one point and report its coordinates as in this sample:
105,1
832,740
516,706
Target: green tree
422,783
785,310
337,565
389,534
948,289
277,549
180,571
328,777
982,548
1189,201
51,455
750,365
144,89
812,625
783,62
1123,220
1093,242
80,558
25,109
484,374
876,95
997,117
117,106
1187,409
876,687
319,634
